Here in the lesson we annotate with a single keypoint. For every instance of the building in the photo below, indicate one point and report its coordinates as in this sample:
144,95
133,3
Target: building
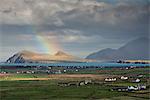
137,87
129,88
123,77
88,81
136,81
110,79
119,89
81,83
133,88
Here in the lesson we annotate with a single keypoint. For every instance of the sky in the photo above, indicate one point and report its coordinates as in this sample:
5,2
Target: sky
78,27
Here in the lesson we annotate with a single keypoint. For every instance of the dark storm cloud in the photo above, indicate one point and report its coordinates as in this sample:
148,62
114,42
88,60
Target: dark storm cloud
107,18
75,23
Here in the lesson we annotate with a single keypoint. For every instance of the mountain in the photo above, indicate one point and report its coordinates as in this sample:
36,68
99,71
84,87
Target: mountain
32,57
133,50
101,55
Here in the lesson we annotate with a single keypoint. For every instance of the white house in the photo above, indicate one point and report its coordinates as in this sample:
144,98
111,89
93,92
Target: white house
132,88
18,72
138,87
32,72
110,79
28,72
141,87
81,83
137,80
124,77
76,70
88,81
140,75
65,71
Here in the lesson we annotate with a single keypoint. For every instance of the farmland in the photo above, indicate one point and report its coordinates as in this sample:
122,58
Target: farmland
45,86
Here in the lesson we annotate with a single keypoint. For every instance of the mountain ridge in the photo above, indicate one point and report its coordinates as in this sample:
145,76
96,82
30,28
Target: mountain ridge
133,50
28,56
138,49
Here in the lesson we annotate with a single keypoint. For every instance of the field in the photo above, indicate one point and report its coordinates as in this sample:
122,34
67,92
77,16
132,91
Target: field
45,86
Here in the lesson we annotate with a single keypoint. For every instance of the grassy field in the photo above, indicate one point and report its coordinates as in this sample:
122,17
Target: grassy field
48,90
25,89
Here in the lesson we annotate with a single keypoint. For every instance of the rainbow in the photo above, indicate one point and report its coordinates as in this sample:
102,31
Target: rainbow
47,45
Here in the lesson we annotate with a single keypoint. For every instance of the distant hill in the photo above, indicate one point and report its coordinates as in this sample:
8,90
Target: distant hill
32,57
101,55
133,50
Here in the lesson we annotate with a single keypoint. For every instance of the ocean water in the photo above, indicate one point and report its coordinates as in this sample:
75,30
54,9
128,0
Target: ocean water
89,64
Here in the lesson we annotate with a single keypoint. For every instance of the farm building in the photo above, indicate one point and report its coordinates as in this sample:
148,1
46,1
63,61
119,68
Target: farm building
124,78
110,79
136,81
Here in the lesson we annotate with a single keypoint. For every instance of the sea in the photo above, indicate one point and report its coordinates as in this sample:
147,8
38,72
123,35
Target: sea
83,64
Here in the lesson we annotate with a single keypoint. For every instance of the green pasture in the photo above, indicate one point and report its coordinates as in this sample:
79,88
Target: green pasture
48,90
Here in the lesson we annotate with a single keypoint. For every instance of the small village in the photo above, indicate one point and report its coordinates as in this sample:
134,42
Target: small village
108,81
128,80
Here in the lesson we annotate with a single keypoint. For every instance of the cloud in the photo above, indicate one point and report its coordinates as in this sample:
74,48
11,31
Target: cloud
77,24
97,17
